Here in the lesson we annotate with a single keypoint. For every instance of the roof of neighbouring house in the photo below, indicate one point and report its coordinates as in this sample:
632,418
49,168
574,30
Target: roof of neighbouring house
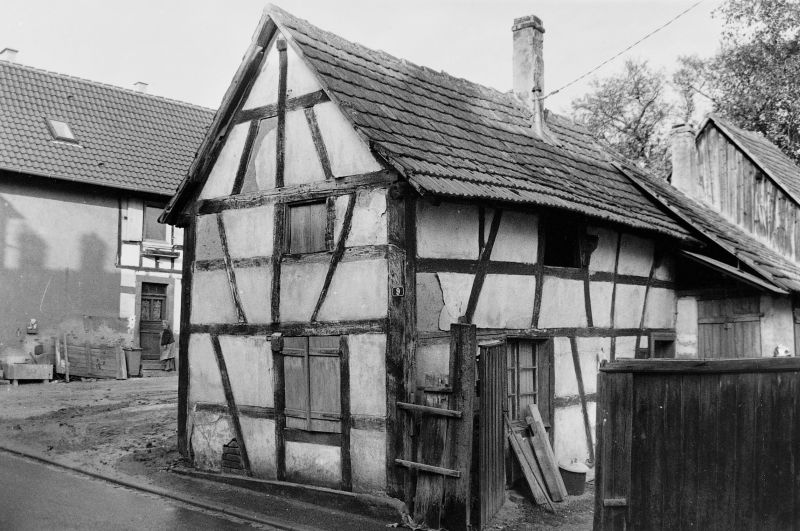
124,139
763,153
451,137
710,224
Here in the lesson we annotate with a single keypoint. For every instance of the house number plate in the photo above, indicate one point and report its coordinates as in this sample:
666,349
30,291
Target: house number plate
398,291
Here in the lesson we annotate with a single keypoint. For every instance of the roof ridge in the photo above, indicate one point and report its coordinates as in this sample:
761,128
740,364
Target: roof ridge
101,84
272,9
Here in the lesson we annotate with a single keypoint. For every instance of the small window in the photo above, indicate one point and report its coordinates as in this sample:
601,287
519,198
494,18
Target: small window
311,370
661,344
308,228
529,378
561,243
153,230
61,131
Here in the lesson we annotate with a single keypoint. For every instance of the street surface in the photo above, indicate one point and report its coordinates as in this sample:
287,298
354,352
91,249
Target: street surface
41,497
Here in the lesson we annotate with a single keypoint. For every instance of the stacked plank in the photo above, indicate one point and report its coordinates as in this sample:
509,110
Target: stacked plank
536,458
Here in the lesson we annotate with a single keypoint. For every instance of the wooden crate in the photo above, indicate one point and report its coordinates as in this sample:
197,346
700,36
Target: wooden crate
28,371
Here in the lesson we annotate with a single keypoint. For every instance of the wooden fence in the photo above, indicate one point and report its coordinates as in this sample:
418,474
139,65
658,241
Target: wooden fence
698,444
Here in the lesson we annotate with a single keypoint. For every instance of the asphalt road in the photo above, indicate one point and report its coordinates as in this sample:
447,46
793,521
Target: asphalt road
35,496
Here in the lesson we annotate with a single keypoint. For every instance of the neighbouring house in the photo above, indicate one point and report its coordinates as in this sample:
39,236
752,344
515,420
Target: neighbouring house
346,207
744,195
85,170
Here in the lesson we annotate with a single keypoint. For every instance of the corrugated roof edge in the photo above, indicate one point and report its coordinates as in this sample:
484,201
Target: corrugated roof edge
638,181
132,92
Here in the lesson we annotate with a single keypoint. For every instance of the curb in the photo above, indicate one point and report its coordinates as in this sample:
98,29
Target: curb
209,506
377,507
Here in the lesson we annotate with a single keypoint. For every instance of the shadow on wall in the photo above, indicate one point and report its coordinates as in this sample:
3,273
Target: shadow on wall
29,289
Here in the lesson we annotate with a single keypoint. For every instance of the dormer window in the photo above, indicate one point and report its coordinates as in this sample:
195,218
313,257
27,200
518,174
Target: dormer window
61,131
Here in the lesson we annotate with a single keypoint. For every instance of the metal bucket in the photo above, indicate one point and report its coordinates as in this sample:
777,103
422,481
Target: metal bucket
574,476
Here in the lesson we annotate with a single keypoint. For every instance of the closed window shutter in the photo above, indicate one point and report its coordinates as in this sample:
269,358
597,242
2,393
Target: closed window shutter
311,369
326,401
295,350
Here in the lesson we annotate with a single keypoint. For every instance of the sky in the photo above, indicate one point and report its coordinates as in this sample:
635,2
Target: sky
189,49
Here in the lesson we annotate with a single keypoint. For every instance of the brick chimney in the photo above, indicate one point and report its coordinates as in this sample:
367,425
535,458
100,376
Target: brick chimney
528,68
8,54
684,159
141,86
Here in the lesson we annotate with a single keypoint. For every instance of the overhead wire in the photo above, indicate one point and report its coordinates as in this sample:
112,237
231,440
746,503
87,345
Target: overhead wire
601,65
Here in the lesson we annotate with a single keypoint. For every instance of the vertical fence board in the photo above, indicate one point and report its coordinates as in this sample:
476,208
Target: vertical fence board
672,460
747,398
707,435
725,455
690,428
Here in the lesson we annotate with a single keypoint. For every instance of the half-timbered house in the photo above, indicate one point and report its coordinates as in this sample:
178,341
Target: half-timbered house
347,207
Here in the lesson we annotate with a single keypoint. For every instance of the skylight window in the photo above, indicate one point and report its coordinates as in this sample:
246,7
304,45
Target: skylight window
61,131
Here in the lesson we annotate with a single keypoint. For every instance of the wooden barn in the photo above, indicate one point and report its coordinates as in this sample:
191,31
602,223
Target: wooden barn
347,207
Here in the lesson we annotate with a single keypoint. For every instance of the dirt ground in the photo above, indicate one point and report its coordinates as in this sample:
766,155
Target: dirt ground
128,427
125,426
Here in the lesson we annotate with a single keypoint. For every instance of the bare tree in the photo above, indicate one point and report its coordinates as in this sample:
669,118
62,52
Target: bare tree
628,112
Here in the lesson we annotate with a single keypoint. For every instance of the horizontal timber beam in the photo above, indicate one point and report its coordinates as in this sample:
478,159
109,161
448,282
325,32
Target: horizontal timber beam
689,366
428,468
357,422
256,412
429,410
545,333
328,328
455,265
351,254
298,192
292,104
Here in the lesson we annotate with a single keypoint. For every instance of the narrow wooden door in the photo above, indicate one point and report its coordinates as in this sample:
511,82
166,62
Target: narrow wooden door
153,312
491,436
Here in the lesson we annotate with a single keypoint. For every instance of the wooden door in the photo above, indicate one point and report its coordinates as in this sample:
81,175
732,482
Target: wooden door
729,328
491,431
153,312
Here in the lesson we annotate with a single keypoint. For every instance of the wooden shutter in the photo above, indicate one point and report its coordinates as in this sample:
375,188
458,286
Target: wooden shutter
311,369
324,378
295,355
307,228
729,328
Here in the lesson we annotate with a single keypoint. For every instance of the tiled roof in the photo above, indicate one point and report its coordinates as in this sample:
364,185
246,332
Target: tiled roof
765,154
781,271
452,137
126,139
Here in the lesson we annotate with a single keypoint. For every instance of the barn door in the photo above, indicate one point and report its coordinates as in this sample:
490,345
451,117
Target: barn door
491,433
729,328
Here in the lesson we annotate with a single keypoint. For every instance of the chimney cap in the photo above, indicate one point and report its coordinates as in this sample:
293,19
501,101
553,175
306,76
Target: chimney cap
531,21
8,54
682,128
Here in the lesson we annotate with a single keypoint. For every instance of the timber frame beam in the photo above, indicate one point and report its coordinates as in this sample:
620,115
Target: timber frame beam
298,192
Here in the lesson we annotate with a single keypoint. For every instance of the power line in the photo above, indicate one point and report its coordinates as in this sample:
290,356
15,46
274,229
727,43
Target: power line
601,65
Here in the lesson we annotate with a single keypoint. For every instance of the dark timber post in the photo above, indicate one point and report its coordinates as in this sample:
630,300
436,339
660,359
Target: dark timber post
183,338
457,492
